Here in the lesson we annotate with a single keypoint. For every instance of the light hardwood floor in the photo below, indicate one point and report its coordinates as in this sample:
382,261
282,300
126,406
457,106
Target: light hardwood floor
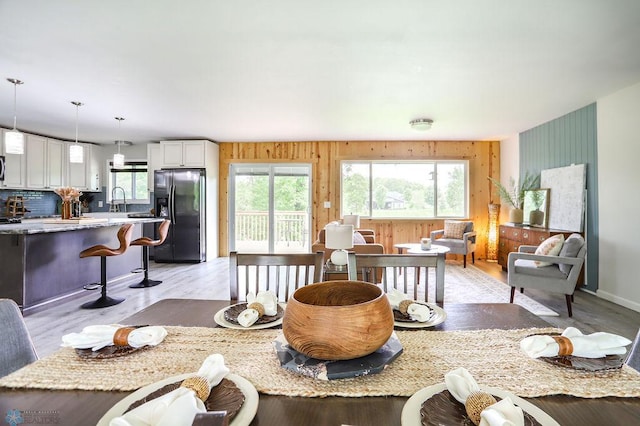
209,280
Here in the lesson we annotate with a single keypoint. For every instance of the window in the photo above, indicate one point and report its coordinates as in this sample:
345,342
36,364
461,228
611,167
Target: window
133,179
405,189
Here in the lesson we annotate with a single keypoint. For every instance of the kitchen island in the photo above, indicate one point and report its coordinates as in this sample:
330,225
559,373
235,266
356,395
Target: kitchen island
40,259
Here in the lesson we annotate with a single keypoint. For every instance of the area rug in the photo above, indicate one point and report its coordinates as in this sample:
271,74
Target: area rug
471,285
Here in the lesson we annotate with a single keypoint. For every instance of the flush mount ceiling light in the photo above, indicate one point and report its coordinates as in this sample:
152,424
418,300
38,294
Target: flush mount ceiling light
421,124
76,151
118,159
13,139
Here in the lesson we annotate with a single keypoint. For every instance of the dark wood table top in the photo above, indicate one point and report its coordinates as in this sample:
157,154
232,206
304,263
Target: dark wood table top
86,408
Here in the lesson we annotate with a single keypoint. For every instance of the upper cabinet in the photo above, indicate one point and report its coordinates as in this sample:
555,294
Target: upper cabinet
185,154
85,175
154,162
45,162
15,175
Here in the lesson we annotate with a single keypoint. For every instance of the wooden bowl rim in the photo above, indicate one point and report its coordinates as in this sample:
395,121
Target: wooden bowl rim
381,294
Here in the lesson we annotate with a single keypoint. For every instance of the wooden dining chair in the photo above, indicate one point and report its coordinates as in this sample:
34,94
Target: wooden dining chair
282,273
406,273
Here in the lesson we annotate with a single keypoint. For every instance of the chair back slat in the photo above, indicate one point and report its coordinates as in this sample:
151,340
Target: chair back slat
406,273
282,273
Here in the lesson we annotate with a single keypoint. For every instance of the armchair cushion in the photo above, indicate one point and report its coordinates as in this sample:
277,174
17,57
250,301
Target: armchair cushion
549,247
358,238
570,248
454,229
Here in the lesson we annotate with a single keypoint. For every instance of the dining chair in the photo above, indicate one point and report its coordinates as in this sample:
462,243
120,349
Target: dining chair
633,357
406,273
17,348
282,273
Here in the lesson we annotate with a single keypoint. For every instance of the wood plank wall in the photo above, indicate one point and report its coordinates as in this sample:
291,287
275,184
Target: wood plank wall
483,157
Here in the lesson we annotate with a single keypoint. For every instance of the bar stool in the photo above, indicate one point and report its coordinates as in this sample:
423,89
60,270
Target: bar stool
124,236
146,242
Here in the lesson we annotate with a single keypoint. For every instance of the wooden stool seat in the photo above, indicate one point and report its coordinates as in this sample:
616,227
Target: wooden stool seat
146,242
124,237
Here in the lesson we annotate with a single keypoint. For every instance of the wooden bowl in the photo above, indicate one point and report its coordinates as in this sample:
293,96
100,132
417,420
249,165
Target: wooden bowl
337,320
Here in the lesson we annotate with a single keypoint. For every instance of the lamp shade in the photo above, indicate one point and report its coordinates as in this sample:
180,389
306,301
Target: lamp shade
76,153
118,161
13,142
339,236
352,219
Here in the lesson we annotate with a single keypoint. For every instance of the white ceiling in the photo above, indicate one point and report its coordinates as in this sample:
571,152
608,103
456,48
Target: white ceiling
294,70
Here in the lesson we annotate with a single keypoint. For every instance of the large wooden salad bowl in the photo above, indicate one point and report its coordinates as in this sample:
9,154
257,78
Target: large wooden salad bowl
337,320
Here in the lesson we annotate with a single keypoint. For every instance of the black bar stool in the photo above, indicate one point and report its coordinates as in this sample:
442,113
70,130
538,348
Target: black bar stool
146,242
124,236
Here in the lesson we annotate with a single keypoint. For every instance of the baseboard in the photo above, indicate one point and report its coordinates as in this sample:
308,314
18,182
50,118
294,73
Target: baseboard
635,306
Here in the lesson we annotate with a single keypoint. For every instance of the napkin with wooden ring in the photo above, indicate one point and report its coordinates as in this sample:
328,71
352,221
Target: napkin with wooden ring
401,302
482,408
180,406
96,337
573,342
264,303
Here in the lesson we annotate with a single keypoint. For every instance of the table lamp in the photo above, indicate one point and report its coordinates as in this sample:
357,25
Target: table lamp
339,238
351,219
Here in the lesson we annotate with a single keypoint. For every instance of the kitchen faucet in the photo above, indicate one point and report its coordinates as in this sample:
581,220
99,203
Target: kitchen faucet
124,198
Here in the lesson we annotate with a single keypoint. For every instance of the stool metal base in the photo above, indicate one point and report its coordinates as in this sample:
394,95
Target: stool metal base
102,302
145,283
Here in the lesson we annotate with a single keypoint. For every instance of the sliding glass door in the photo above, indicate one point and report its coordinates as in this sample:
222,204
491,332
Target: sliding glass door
269,208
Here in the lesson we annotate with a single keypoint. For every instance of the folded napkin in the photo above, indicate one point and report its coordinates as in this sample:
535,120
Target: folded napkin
97,337
180,406
264,303
416,311
573,342
464,388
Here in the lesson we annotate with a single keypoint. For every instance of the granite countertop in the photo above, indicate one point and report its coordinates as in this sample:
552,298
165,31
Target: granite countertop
39,226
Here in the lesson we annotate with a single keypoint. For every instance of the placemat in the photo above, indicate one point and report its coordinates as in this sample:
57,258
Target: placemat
493,357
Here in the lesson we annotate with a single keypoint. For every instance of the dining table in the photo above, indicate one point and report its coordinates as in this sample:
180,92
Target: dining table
87,407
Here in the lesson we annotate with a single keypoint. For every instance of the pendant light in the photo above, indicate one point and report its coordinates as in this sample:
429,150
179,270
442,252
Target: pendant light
76,151
118,159
13,139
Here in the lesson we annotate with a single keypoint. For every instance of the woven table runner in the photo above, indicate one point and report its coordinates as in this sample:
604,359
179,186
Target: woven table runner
493,357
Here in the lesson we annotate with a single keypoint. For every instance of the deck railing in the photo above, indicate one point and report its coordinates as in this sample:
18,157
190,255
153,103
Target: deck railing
290,227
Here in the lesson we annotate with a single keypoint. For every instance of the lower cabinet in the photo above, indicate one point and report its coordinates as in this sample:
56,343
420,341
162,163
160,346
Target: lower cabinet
511,237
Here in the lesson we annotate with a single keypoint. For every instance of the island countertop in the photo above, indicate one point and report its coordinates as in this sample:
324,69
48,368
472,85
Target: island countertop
42,226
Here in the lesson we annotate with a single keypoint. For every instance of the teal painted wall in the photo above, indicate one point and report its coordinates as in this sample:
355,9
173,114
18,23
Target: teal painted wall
570,139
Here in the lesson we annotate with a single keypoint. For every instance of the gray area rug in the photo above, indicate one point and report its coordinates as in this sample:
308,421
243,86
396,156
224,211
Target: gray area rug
471,285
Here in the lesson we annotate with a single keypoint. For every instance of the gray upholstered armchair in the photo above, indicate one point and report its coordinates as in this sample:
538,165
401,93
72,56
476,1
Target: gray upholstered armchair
459,237
560,276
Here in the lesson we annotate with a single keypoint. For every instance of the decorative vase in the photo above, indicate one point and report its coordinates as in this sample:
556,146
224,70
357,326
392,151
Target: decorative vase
516,215
66,210
536,217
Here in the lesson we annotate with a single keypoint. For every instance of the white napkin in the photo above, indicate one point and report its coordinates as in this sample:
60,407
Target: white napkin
460,383
97,337
268,299
178,407
417,311
595,345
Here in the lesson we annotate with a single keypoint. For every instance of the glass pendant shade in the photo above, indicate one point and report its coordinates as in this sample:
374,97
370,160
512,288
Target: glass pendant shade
76,151
14,142
118,160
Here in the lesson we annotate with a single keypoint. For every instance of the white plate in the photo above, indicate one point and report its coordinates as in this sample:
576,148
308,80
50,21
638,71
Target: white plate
243,417
439,315
219,319
411,410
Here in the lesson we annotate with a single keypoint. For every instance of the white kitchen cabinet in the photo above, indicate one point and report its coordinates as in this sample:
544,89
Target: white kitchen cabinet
94,154
45,165
15,174
86,175
185,153
154,162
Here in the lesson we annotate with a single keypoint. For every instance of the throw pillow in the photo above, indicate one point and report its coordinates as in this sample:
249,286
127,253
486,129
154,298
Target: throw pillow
570,248
358,238
549,247
454,229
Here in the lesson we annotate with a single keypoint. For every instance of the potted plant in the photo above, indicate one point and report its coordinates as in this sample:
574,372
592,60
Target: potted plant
513,195
536,216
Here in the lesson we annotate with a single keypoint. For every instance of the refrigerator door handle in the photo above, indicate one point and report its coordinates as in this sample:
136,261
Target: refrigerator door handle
172,204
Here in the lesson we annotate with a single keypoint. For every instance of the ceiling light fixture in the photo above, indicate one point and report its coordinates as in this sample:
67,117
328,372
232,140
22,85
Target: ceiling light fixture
13,139
118,159
421,124
76,151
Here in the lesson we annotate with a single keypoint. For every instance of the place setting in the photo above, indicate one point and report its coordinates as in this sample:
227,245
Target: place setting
408,313
260,311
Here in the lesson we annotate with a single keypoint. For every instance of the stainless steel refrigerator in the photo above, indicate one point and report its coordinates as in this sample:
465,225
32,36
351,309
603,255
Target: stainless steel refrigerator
180,197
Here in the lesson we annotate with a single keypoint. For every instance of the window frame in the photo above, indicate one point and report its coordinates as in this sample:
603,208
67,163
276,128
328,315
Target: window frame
434,162
112,176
